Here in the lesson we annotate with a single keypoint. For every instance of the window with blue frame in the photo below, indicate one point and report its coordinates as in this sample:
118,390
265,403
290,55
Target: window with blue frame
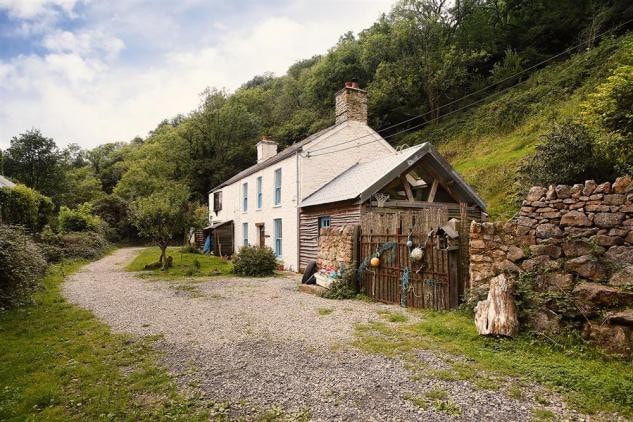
324,222
245,197
277,234
245,233
259,193
277,193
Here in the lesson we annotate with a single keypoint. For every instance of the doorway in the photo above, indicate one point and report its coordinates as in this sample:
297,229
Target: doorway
261,234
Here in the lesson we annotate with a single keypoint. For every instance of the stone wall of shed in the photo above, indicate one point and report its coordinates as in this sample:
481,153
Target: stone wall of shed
577,242
336,247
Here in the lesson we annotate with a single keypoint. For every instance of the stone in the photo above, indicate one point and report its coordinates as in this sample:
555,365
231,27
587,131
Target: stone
611,339
590,186
536,193
576,190
629,237
620,255
560,281
575,218
549,250
618,232
603,188
538,263
613,199
545,321
587,266
605,240
574,248
578,232
563,191
621,184
477,244
621,318
551,193
507,266
602,296
622,277
547,230
608,219
626,208
497,315
480,258
515,254
475,227
526,221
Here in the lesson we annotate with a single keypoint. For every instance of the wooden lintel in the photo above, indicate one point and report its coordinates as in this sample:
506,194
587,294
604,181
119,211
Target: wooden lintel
433,191
407,188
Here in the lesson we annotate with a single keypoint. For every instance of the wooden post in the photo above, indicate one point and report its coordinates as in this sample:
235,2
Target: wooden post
407,188
433,191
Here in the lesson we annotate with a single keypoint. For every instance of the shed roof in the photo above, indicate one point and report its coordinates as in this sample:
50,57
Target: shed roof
361,181
6,183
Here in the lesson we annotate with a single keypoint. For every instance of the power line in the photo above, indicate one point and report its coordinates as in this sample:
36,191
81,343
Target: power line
310,153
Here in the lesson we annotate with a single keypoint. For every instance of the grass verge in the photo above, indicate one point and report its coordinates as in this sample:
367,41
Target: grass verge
588,381
60,363
184,264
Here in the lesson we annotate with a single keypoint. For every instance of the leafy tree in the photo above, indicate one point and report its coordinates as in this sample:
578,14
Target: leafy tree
26,207
79,219
80,186
107,162
35,160
114,210
162,216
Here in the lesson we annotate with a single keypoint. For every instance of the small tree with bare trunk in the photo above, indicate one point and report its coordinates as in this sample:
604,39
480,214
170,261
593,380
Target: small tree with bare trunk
162,216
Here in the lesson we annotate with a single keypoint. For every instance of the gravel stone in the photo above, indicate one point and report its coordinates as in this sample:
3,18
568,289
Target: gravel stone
259,343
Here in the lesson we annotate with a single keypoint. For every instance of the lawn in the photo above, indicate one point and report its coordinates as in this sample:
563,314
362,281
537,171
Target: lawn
588,381
59,363
184,264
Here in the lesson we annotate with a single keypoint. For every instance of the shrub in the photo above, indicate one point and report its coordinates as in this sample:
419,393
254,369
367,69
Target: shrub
79,219
190,249
22,265
343,287
88,245
26,207
253,261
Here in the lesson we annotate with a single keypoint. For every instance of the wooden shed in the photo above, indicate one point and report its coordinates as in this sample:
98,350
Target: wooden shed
223,238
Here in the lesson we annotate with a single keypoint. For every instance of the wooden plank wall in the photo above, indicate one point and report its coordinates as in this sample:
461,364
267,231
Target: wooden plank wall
223,238
340,214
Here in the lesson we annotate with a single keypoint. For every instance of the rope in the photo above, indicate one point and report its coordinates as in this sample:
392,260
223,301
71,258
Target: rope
405,287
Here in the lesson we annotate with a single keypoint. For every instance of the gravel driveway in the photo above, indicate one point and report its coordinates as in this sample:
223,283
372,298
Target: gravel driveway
259,343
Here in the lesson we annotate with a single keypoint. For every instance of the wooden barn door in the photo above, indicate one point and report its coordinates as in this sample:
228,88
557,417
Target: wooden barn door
433,283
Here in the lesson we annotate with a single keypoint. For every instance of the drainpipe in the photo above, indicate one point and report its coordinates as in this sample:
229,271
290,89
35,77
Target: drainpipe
298,210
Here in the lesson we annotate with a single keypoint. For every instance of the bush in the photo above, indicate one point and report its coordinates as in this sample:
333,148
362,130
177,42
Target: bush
22,265
88,245
253,261
79,219
190,249
26,207
343,287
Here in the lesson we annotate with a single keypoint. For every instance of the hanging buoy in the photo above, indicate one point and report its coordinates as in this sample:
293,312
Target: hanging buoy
375,261
416,254
409,243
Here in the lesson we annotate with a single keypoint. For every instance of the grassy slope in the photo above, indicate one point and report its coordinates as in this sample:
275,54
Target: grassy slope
182,262
588,381
487,142
60,363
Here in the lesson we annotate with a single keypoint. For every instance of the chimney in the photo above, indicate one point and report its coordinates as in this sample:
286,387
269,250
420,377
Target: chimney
351,103
265,149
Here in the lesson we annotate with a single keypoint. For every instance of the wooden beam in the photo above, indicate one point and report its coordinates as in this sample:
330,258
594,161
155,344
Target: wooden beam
431,197
407,188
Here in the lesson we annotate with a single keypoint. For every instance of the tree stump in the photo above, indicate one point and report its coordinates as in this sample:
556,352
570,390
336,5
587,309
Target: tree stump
497,315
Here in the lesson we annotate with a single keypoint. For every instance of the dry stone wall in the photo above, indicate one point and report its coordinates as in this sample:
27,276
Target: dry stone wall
336,247
577,242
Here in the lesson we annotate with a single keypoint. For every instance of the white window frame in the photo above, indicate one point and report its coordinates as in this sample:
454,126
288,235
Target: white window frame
277,187
260,194
278,233
245,196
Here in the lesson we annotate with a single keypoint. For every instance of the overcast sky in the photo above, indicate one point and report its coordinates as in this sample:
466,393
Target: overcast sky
95,71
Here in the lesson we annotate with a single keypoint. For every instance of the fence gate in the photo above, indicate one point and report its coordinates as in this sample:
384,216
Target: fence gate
434,282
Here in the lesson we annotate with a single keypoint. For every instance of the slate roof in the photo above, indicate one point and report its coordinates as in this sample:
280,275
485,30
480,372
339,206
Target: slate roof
6,183
361,181
287,152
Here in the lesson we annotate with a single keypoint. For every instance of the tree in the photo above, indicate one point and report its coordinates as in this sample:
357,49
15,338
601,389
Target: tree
162,216
35,160
80,186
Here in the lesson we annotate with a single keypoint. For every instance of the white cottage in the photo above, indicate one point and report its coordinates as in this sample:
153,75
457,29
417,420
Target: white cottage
260,205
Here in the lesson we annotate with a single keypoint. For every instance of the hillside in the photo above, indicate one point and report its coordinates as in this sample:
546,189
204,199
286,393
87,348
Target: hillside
485,143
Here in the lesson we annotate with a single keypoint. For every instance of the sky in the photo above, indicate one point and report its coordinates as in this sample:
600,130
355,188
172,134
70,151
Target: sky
97,71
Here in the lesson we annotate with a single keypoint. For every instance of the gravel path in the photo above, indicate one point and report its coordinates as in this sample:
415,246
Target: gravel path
259,343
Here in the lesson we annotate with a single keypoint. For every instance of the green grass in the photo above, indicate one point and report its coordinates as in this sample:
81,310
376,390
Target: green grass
325,311
183,264
393,316
587,380
59,363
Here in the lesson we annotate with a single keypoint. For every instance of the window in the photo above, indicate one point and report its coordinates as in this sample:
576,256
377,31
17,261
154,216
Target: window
259,193
277,225
277,187
245,197
324,222
245,233
217,201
